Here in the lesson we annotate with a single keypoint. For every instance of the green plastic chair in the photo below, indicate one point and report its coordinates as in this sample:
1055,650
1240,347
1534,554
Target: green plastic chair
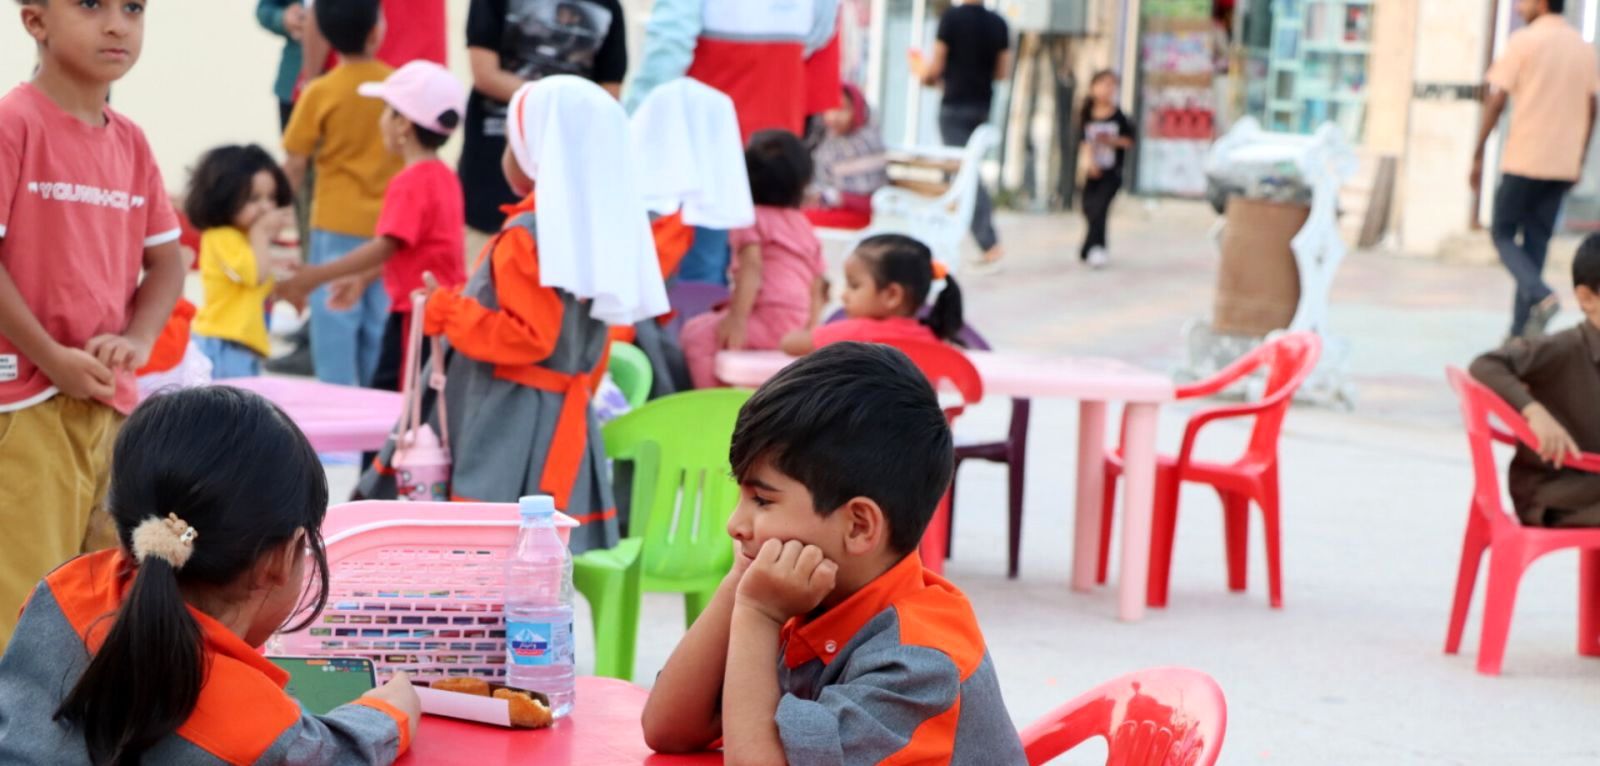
683,494
630,370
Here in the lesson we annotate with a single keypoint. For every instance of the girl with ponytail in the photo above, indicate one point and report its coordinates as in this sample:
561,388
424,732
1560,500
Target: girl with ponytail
888,279
149,653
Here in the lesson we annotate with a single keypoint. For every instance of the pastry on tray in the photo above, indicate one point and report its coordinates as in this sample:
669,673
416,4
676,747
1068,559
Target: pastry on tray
529,710
526,712
474,686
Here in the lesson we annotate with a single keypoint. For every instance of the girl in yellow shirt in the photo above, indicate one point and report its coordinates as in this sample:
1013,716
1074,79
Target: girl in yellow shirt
238,198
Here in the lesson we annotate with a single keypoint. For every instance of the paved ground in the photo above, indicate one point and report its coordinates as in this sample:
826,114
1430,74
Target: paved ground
1351,670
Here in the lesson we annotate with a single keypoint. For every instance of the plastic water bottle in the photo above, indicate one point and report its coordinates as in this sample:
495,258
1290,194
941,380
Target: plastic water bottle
539,646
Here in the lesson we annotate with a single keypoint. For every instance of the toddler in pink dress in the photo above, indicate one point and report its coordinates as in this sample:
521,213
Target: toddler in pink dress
776,267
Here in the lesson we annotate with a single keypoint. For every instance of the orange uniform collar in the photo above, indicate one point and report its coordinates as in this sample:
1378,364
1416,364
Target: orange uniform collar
823,636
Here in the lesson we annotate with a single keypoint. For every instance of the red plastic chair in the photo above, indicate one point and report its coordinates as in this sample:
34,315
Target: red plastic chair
1511,546
943,364
1156,717
1253,477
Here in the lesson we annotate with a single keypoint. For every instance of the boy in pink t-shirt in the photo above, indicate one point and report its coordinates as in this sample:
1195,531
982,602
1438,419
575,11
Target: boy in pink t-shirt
82,211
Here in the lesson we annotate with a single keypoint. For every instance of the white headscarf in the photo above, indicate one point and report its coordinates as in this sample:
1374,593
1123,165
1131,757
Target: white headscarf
594,238
686,135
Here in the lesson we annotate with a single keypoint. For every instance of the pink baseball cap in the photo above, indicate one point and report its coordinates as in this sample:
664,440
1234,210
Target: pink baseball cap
424,93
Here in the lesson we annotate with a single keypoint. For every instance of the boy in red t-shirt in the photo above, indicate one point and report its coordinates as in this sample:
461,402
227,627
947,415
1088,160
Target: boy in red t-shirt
421,227
82,211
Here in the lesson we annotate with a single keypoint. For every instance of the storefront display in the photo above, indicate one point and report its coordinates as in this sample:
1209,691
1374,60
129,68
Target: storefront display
1292,64
1317,65
1177,103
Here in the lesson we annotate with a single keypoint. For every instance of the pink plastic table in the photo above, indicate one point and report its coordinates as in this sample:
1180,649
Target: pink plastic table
603,730
334,418
1093,382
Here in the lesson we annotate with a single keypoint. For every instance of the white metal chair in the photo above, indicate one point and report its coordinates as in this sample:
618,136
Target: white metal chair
938,221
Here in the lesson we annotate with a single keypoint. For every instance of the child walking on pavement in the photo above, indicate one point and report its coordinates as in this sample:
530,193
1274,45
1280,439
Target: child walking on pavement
1107,137
83,210
527,337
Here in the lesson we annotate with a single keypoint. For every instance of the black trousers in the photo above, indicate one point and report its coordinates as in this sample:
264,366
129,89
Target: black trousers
1097,196
1525,213
957,123
391,358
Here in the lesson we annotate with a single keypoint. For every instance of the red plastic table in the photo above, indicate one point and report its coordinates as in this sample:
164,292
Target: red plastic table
1093,382
334,418
603,730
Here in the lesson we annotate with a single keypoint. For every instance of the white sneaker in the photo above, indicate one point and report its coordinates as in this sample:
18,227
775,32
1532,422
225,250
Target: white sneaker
1098,258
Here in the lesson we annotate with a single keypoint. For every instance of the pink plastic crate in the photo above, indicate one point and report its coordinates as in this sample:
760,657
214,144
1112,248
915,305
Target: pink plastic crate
416,587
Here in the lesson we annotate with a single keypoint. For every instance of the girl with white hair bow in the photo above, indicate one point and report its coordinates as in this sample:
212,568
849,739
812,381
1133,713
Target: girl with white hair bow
528,334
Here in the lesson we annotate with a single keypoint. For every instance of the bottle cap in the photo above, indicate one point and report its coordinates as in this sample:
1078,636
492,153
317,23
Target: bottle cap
533,506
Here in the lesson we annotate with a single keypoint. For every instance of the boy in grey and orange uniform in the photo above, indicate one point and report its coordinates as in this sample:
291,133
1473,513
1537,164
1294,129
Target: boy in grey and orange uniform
829,642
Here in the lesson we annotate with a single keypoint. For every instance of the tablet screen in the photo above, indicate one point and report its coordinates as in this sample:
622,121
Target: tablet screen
324,683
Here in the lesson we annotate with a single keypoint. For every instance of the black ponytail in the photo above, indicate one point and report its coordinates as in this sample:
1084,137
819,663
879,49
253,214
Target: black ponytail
144,681
945,319
237,470
896,259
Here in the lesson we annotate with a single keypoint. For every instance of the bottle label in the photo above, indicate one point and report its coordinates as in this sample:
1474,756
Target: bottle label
539,644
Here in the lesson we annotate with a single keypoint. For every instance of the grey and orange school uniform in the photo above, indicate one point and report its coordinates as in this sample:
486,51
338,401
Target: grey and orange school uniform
522,361
243,716
897,673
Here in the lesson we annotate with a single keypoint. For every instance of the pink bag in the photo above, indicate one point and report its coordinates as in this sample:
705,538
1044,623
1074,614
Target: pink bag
421,458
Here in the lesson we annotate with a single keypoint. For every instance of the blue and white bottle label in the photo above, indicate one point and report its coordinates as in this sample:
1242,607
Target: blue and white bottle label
538,644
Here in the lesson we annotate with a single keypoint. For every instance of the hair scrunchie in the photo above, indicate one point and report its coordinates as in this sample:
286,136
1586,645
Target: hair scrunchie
170,539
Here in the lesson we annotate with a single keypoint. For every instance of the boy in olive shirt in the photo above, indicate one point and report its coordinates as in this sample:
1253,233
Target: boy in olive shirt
340,127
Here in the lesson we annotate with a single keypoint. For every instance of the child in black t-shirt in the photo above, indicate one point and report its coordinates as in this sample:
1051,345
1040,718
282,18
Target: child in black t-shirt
1107,136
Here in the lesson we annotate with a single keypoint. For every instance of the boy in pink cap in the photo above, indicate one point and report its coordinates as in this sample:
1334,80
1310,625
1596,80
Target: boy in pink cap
421,225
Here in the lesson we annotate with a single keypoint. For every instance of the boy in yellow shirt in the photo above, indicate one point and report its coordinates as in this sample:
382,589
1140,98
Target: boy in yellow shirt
340,127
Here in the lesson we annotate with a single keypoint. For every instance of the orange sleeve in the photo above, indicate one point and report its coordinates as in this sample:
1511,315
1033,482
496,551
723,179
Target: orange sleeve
401,720
173,342
528,323
673,239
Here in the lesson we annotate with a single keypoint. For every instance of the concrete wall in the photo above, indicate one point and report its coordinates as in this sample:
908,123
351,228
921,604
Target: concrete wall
205,77
1389,76
1452,37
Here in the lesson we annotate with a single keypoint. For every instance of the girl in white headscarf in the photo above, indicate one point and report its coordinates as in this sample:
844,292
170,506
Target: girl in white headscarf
692,177
528,334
